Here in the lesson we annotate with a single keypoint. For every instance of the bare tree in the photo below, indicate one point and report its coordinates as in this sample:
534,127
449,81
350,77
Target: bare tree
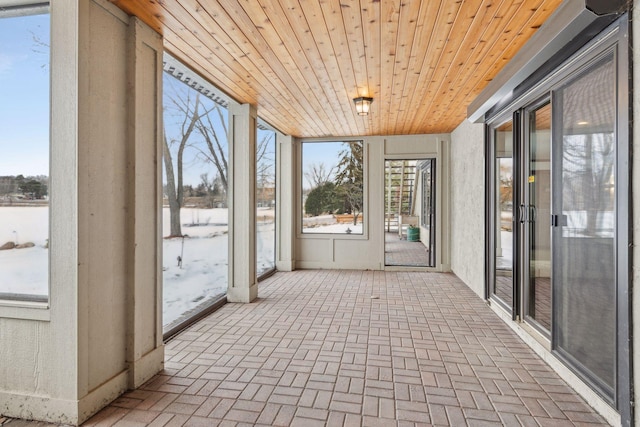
317,174
588,170
209,188
182,107
216,152
263,160
265,170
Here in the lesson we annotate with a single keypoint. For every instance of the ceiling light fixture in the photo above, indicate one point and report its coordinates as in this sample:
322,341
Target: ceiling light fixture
363,105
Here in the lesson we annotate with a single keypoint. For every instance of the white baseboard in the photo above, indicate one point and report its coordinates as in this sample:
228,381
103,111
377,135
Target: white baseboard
146,367
101,396
39,408
75,412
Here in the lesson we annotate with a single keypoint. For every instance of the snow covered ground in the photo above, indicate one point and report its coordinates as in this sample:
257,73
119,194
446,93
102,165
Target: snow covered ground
334,229
505,262
24,271
204,253
204,272
327,224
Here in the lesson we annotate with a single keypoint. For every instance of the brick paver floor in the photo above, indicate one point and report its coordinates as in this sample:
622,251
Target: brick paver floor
352,348
403,252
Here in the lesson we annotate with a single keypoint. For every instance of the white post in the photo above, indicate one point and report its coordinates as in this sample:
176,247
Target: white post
145,347
286,203
243,282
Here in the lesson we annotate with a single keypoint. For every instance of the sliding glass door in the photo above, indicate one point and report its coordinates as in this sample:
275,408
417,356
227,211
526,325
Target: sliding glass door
534,213
502,206
584,223
557,209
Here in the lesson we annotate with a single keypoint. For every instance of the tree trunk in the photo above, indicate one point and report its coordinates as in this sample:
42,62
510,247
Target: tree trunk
175,193
217,152
174,205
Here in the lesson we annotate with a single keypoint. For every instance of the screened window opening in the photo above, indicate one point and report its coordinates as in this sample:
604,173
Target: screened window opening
195,209
333,187
24,154
265,200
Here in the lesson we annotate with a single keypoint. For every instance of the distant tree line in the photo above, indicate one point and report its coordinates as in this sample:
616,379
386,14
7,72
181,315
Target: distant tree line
210,191
26,187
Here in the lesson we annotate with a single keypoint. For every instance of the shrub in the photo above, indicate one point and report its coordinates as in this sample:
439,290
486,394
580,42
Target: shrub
323,199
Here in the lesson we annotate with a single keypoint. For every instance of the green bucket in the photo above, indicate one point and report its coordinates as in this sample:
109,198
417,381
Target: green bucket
413,234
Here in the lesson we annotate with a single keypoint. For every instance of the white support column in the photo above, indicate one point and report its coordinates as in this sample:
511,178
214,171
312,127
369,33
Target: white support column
443,200
243,282
101,331
145,347
286,203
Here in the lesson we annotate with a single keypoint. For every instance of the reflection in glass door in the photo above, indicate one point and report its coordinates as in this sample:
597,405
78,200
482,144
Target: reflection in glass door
585,224
503,208
567,150
535,215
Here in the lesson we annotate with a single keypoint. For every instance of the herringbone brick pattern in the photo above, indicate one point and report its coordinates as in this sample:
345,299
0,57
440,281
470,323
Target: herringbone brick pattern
404,253
352,348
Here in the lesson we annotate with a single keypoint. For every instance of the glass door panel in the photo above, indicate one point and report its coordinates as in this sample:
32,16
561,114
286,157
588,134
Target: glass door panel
428,173
584,224
503,231
559,173
537,212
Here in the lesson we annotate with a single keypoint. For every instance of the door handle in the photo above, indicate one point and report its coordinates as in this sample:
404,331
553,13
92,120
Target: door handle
559,220
521,214
533,213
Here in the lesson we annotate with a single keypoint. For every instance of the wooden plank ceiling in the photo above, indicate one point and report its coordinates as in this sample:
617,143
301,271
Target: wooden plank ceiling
303,61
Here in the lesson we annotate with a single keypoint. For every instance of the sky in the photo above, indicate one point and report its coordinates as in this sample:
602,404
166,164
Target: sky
24,95
315,153
194,162
24,107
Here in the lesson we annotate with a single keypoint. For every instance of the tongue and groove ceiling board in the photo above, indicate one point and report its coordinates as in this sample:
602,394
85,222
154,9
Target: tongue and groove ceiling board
303,61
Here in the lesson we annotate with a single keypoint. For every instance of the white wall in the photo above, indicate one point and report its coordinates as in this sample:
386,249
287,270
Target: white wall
101,331
38,356
467,205
344,251
366,252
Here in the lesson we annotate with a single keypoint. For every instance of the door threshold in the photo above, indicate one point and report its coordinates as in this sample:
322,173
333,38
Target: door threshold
536,335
